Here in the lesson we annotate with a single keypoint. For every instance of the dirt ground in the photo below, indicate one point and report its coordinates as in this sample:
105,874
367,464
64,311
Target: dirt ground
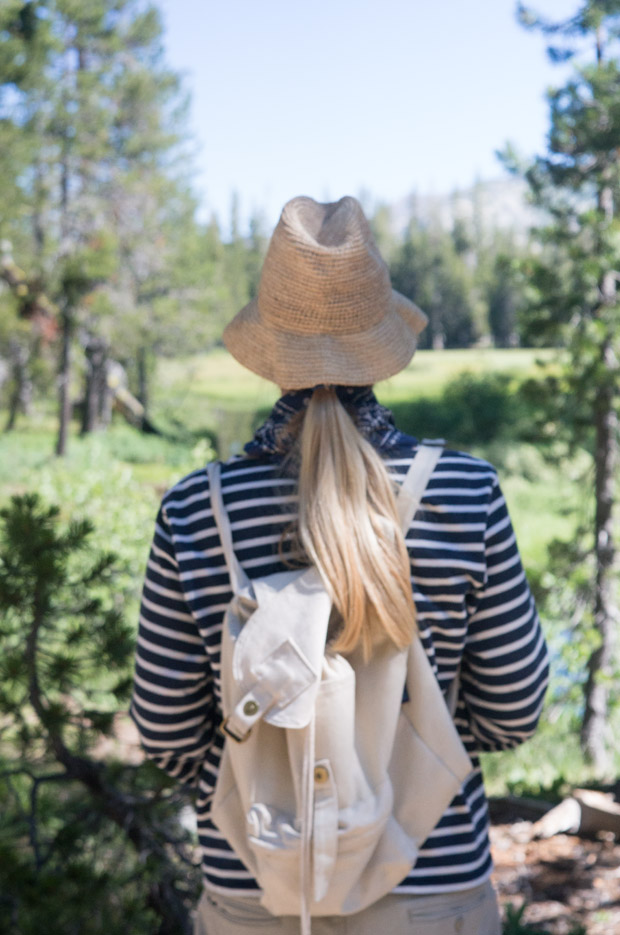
565,881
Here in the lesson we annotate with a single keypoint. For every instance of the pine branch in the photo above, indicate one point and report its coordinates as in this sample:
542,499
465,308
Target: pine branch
119,808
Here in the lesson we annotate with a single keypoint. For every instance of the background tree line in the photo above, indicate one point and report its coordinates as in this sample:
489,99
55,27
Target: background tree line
106,266
104,257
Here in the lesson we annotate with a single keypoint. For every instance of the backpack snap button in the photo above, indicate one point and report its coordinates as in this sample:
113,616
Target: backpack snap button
321,774
250,708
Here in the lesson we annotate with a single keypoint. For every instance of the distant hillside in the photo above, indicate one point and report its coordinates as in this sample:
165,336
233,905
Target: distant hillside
500,204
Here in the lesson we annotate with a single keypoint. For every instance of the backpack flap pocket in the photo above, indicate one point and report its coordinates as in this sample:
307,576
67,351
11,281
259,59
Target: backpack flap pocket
270,689
276,650
352,868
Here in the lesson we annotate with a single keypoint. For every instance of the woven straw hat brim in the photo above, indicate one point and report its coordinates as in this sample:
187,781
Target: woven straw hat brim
295,361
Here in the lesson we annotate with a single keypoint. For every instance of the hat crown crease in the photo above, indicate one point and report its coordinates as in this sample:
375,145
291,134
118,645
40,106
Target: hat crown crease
323,272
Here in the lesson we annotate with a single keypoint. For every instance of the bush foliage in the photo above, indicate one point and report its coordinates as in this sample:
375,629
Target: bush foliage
91,842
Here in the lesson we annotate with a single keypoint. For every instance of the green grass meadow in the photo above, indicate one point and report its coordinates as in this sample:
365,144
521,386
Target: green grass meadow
208,404
201,385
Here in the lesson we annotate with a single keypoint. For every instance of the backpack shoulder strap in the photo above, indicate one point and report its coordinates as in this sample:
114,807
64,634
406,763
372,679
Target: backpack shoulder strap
407,503
238,578
416,479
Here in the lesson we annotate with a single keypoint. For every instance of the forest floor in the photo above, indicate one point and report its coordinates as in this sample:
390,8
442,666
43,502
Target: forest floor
570,885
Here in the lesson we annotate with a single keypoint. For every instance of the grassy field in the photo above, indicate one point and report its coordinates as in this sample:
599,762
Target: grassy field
429,371
216,379
213,392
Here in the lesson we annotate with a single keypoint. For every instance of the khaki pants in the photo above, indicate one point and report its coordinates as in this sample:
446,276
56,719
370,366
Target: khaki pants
469,912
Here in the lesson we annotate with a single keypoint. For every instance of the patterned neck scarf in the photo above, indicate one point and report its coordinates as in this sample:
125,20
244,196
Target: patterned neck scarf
277,434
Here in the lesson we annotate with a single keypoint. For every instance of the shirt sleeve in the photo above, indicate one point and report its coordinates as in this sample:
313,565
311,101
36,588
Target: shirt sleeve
505,668
172,703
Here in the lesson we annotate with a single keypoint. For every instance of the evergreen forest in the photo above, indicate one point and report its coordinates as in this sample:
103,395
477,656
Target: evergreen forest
114,383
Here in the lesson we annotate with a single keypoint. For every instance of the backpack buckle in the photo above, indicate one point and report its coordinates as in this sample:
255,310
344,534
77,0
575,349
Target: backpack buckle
236,737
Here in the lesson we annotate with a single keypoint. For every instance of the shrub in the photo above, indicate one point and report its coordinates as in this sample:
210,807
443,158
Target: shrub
93,844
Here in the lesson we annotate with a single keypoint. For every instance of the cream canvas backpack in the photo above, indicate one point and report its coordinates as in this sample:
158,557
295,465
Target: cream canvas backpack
329,782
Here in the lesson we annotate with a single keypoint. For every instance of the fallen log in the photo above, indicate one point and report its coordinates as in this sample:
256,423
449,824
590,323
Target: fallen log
585,812
126,403
507,809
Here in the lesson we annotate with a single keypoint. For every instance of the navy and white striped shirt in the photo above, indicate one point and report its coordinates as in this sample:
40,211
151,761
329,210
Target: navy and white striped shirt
474,610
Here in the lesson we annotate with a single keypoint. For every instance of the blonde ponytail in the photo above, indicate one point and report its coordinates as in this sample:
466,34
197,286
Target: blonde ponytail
348,528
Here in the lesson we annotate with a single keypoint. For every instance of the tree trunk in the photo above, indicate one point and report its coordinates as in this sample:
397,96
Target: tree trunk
38,226
96,404
64,379
143,377
105,396
22,384
593,732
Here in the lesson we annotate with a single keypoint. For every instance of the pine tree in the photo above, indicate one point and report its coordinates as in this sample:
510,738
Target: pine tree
427,268
577,184
88,97
90,842
503,292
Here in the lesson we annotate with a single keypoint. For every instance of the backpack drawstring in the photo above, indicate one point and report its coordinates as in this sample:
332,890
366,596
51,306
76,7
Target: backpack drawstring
307,820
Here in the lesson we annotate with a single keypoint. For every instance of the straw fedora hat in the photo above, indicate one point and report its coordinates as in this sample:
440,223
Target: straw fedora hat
325,311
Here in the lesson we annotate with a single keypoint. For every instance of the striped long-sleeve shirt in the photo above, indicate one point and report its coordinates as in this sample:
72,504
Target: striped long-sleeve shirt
474,610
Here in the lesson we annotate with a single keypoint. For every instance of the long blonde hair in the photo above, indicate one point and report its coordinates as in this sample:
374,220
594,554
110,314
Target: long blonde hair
348,528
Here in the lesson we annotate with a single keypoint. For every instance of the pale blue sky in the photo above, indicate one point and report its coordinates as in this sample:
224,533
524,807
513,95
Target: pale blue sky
332,97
